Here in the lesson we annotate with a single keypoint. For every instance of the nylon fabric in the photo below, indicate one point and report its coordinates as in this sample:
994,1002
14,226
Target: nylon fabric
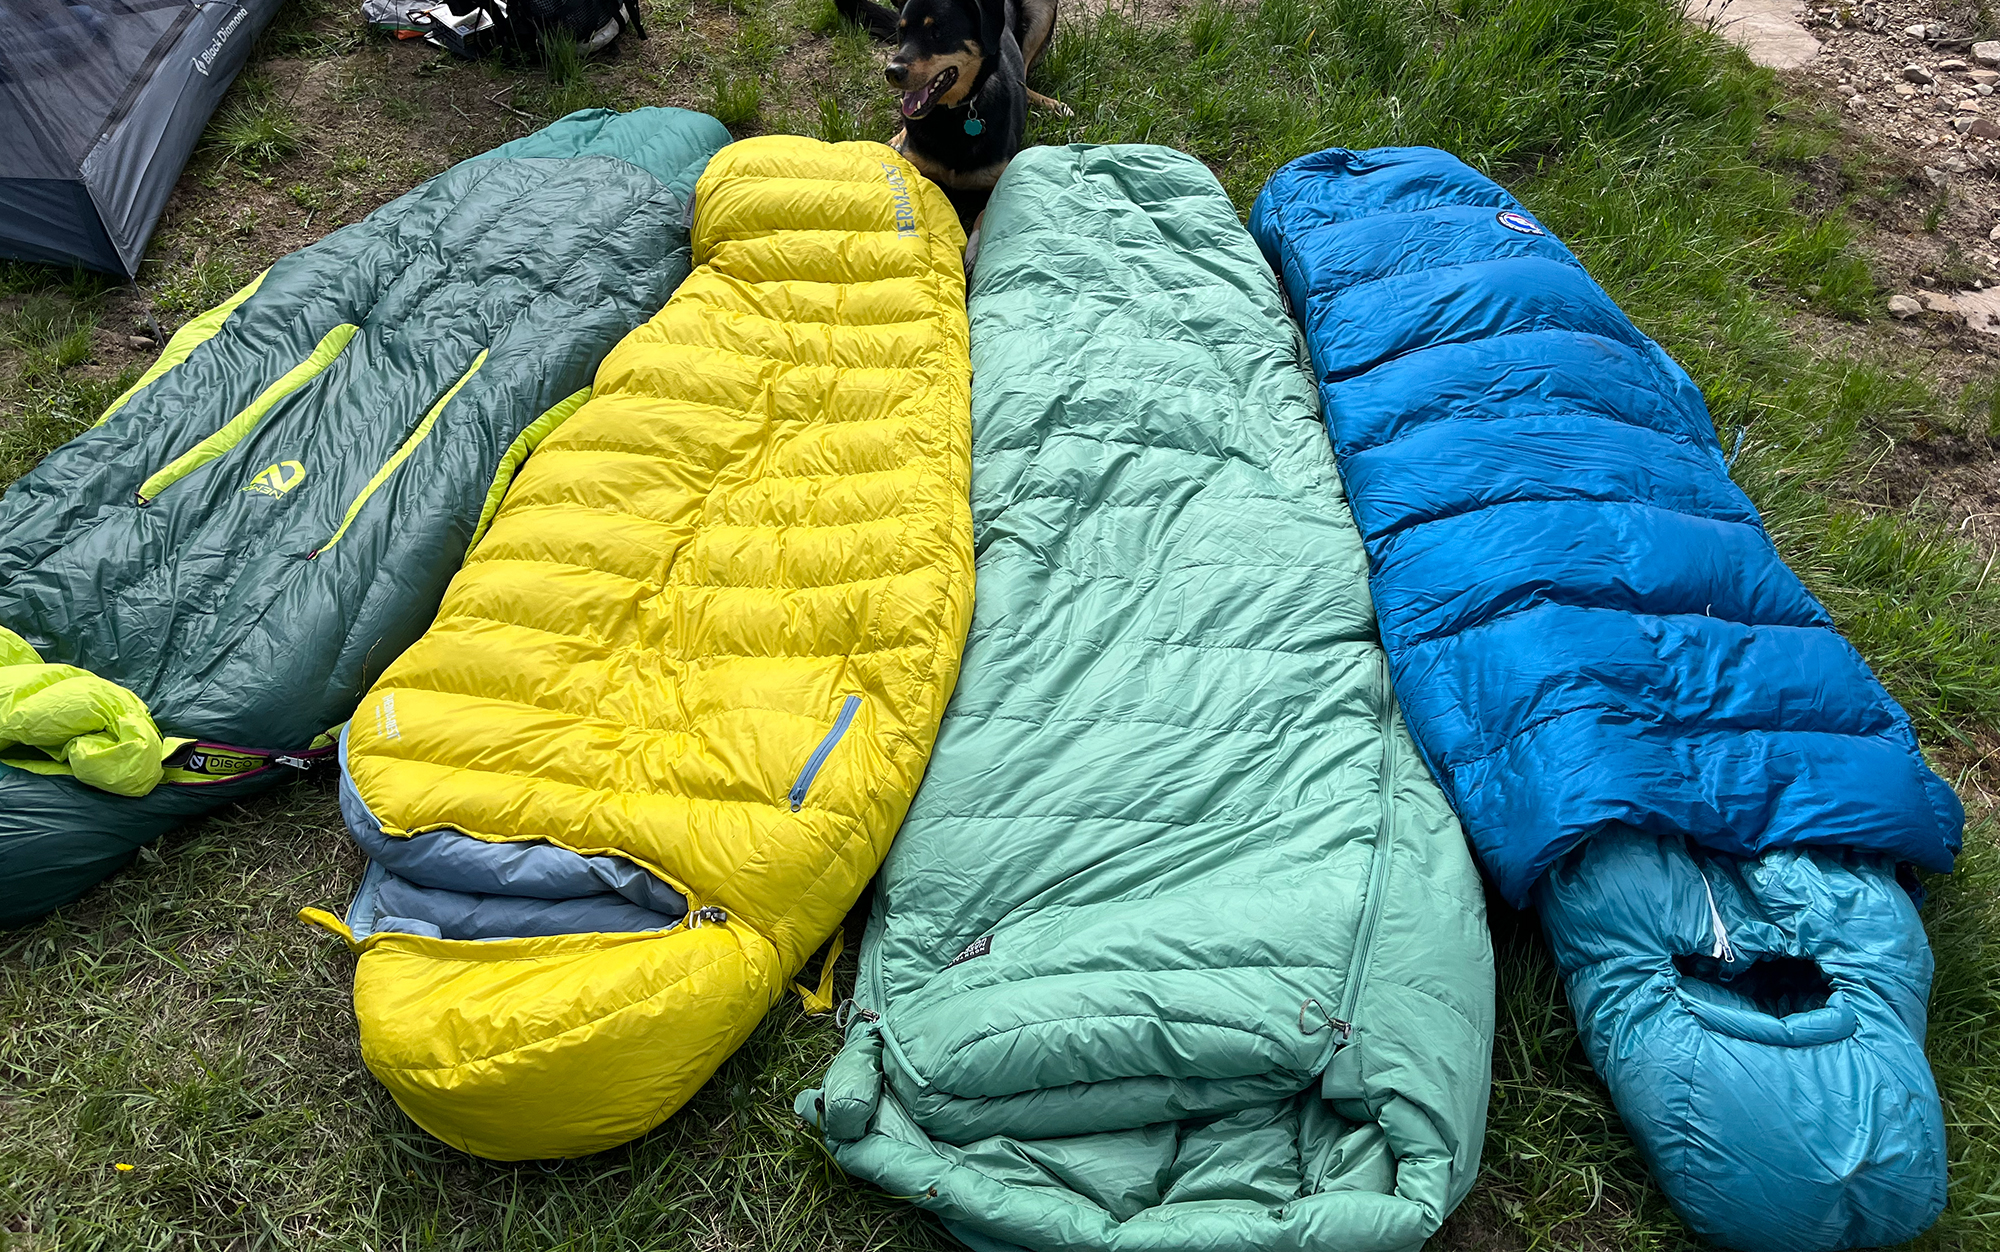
95,731
1644,719
1536,480
1179,947
1775,1123
205,602
709,636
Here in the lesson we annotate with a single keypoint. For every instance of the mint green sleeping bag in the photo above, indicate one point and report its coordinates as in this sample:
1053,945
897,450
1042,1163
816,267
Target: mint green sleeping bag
1180,947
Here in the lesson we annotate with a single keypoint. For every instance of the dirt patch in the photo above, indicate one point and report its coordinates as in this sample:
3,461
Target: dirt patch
1918,168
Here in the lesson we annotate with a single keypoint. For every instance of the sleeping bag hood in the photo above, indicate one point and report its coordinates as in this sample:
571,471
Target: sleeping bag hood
198,589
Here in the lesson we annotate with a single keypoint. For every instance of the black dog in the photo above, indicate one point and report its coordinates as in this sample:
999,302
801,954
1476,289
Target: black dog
962,70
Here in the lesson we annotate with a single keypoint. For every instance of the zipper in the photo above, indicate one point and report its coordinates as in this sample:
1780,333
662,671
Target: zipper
239,427
400,455
824,750
1378,870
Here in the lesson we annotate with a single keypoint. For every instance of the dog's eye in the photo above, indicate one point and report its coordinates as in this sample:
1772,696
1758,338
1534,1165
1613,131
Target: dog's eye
930,21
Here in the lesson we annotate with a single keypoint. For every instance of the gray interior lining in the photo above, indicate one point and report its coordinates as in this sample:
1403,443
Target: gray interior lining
451,885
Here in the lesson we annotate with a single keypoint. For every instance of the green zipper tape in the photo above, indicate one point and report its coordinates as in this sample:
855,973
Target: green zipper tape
510,462
401,455
239,427
184,342
1378,867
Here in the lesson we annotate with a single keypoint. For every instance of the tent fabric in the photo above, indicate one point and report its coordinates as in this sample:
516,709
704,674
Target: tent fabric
101,101
1179,947
252,534
1641,715
706,642
1587,621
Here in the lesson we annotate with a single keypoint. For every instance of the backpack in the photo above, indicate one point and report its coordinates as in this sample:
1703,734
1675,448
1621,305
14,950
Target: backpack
472,28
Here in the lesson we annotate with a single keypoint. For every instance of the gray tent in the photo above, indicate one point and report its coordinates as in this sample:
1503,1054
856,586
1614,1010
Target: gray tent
100,103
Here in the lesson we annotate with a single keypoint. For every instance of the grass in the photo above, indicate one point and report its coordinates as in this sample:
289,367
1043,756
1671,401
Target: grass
177,1020
736,101
253,134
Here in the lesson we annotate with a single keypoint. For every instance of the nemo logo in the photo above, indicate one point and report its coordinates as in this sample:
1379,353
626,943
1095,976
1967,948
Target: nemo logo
278,479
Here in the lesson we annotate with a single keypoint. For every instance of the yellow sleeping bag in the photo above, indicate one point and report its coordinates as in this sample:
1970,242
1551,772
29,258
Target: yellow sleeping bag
697,664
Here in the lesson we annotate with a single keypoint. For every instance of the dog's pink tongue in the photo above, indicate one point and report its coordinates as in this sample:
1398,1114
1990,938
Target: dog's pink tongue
914,100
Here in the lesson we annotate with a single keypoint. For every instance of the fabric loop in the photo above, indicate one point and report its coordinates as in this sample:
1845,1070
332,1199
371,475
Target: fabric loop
820,1000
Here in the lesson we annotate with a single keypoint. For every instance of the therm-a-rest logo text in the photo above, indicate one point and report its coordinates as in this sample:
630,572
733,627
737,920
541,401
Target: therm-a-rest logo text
899,191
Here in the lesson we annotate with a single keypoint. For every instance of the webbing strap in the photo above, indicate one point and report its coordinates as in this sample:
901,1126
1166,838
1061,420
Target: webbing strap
820,1000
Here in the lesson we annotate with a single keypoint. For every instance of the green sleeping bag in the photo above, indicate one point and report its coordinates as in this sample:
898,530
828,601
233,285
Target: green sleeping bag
1180,946
196,590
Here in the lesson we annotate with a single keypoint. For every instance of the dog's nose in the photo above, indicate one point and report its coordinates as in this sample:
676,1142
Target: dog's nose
897,73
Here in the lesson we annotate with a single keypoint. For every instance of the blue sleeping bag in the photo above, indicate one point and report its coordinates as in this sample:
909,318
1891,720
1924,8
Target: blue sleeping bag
1647,724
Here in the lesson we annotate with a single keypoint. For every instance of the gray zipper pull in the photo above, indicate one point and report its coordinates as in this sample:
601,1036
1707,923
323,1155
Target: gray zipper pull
1345,1029
849,1013
707,913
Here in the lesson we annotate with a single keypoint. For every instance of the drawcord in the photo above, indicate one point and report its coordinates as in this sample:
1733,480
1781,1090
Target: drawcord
820,1000
1721,951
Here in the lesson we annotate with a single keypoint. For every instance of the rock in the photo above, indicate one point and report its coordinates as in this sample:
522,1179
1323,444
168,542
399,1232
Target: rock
1918,74
1983,89
1987,52
1968,106
1904,89
1980,308
1937,176
1985,78
1855,102
1917,32
1938,302
142,344
1771,31
1902,308
1984,128
1963,124
1953,66
1994,234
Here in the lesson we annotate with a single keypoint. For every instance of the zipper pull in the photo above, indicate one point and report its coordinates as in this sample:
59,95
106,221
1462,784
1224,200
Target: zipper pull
849,1012
1344,1029
707,913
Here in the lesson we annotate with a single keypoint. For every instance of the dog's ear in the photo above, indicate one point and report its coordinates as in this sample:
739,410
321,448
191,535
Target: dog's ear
992,18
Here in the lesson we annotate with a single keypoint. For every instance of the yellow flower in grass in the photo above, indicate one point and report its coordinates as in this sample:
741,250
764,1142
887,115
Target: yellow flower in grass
123,1168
